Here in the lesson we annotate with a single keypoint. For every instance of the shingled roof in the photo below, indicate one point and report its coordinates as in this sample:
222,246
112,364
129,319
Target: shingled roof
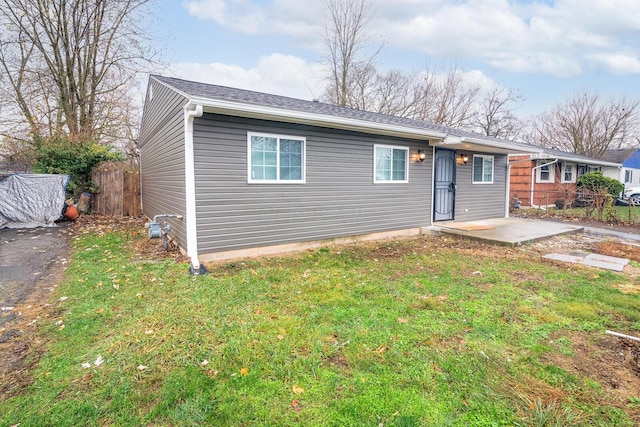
205,91
577,158
618,156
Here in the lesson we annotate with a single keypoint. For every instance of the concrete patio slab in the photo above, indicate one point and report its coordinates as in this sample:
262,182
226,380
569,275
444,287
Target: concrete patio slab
509,231
591,260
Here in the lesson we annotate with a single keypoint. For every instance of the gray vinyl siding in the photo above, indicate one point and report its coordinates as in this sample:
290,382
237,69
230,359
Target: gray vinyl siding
481,201
162,157
338,199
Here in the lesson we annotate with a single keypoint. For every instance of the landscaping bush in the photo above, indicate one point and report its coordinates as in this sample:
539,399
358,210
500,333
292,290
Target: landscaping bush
62,156
598,183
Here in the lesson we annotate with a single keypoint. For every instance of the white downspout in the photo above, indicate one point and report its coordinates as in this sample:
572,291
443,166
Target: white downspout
191,111
508,197
533,180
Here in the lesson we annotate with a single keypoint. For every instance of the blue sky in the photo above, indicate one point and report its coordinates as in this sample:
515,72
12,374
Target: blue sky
545,50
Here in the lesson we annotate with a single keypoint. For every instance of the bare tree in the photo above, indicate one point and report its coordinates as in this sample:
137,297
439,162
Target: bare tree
588,125
69,65
494,116
442,96
346,39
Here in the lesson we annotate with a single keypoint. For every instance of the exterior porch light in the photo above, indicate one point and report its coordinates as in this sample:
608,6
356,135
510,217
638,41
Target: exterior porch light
463,159
422,155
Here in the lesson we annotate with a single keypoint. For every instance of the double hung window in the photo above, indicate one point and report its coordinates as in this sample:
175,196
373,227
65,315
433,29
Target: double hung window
390,164
482,169
276,158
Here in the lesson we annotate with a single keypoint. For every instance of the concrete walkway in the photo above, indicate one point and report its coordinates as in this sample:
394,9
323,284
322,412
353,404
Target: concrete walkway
507,231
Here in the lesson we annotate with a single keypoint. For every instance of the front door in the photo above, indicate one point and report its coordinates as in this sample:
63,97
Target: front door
444,185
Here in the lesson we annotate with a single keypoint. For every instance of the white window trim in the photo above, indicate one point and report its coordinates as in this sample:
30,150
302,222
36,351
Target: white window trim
493,165
552,172
391,181
629,173
574,172
277,181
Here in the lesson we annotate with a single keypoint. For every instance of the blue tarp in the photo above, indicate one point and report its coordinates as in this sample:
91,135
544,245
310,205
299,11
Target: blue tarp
31,200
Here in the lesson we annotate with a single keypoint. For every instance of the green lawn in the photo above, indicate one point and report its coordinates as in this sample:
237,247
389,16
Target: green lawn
424,332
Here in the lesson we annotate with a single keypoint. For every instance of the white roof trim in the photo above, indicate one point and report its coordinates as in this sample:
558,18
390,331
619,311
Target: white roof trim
280,114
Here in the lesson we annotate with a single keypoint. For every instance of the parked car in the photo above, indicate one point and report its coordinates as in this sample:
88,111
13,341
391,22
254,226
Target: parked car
630,196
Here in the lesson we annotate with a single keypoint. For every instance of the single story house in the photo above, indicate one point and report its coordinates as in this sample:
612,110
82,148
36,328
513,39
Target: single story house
252,173
542,178
630,160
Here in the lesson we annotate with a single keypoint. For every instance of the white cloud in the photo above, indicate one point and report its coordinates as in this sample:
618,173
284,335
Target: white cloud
289,17
562,38
276,74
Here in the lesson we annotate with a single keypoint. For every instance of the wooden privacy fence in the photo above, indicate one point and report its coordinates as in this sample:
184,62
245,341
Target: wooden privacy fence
118,190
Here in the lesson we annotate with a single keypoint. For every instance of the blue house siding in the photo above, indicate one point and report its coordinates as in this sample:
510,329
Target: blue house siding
339,198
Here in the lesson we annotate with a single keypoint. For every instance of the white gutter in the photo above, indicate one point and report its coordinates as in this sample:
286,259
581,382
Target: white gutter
191,110
533,180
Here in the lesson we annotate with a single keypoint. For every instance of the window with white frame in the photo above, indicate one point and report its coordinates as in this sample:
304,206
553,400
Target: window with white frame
390,164
546,171
628,176
568,172
482,169
593,168
275,158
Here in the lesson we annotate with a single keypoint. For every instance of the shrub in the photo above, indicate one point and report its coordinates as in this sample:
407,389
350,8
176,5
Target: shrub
77,159
597,183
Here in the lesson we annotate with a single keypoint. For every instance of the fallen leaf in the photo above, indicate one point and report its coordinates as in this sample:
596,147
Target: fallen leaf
86,365
141,367
280,337
205,362
297,389
244,371
383,348
99,361
295,403
402,320
148,332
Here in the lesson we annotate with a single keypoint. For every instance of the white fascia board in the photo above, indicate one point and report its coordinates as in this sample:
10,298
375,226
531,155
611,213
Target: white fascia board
499,144
544,156
316,119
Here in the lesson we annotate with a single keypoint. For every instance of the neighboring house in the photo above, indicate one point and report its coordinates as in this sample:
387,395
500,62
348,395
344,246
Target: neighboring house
541,179
630,160
253,173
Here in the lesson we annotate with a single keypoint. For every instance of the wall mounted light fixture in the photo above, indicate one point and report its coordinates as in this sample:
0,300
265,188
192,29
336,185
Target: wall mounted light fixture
463,159
422,155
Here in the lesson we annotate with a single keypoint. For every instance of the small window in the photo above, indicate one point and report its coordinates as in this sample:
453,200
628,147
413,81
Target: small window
568,172
582,169
593,168
390,164
628,176
545,172
276,159
482,169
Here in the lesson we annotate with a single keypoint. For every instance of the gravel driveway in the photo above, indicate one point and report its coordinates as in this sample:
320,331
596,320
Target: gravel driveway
29,266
